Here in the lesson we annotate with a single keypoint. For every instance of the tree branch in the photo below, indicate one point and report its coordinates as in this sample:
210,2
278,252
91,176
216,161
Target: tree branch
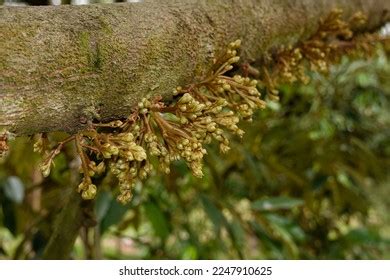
62,66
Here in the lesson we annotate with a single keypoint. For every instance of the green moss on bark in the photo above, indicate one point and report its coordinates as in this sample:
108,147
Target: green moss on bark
57,61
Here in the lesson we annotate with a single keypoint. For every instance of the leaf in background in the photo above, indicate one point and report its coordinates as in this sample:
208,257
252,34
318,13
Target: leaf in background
113,215
14,189
238,236
366,79
103,202
276,203
8,212
60,174
9,220
213,212
285,236
190,253
157,219
280,227
344,179
22,159
251,165
362,236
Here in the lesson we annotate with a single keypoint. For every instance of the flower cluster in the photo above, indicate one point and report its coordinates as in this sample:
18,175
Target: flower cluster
158,133
333,38
200,113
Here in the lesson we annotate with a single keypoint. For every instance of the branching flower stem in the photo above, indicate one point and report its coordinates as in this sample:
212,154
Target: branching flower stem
200,112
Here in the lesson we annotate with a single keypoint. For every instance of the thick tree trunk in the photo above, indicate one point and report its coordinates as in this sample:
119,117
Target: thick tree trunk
61,66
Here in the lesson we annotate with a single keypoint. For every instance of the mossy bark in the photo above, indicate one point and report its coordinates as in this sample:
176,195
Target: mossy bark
61,66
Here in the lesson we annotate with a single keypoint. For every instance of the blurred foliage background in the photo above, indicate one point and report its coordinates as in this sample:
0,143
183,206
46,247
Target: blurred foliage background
309,180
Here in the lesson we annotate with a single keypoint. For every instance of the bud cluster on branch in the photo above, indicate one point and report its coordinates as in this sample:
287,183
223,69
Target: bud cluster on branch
333,39
157,132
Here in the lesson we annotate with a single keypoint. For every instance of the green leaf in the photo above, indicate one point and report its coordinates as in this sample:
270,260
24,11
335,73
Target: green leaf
213,212
157,219
190,253
114,215
103,202
276,203
287,240
7,213
362,236
237,233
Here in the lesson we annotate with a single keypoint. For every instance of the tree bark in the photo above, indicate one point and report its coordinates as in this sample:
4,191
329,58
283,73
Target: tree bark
66,228
63,65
